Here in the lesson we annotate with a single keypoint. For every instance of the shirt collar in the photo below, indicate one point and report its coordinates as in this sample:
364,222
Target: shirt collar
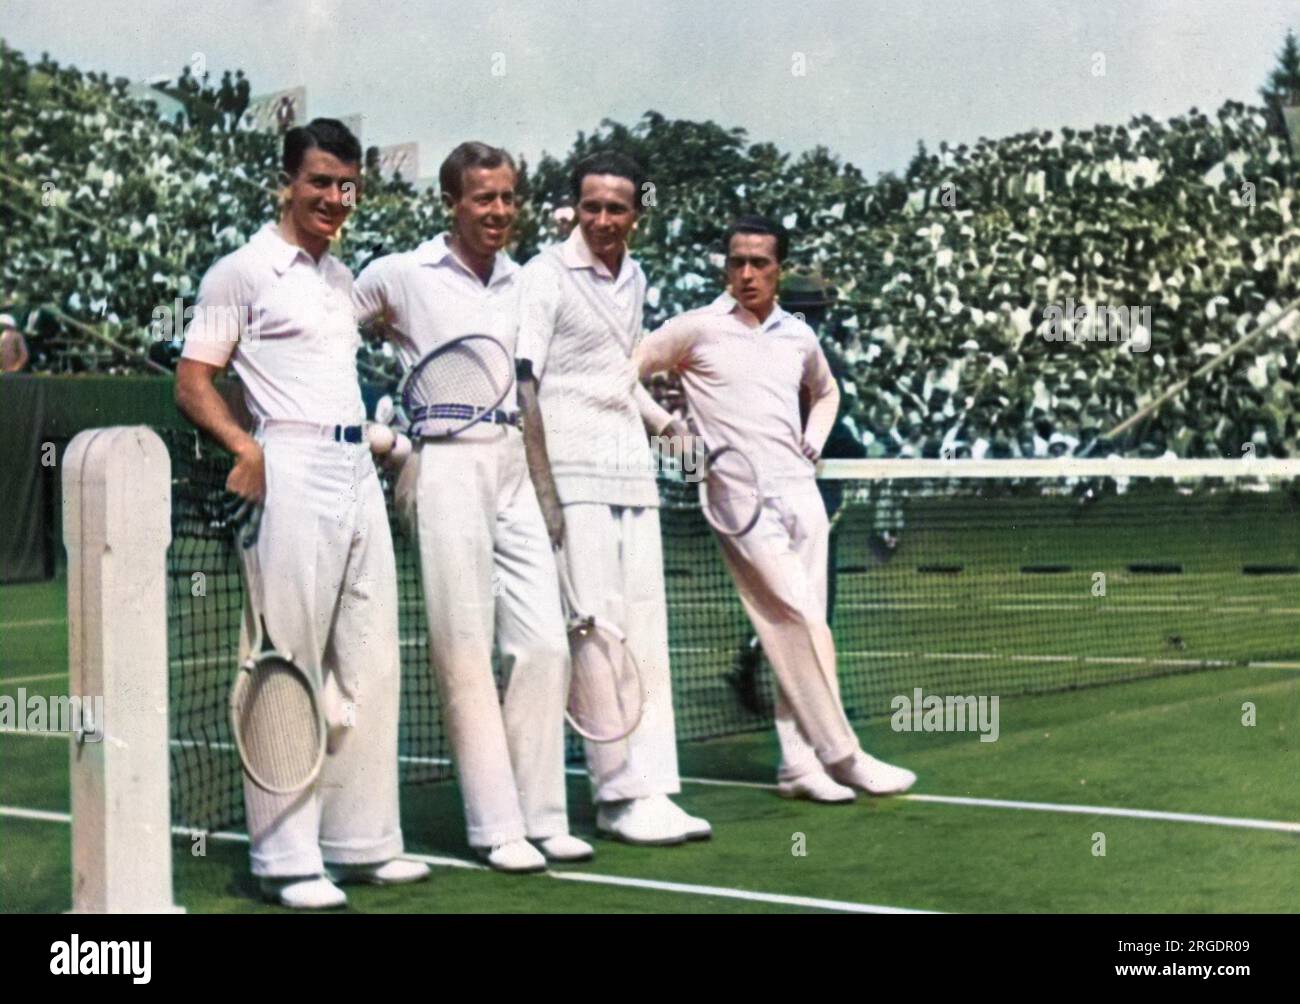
576,254
728,304
279,252
439,252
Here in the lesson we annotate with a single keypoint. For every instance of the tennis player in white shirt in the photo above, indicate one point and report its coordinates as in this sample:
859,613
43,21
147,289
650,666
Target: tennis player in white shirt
323,555
586,417
485,561
742,362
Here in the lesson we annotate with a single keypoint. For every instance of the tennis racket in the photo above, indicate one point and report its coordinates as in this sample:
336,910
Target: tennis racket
606,697
457,384
276,715
730,495
244,519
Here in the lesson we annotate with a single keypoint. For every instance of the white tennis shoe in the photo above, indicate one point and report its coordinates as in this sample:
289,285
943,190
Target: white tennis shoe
518,857
314,892
866,773
395,871
816,787
694,827
644,822
564,848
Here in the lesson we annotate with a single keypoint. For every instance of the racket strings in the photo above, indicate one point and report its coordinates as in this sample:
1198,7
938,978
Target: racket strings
605,695
464,377
278,726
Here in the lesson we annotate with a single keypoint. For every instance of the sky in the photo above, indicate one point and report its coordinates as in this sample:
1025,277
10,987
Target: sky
867,79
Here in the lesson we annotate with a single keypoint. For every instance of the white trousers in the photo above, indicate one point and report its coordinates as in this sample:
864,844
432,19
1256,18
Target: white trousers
323,564
487,565
615,560
779,569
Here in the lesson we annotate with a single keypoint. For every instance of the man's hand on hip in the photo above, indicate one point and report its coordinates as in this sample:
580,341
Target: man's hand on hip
248,477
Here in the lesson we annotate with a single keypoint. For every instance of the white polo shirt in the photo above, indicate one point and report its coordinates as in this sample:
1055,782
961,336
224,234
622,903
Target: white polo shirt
742,381
579,326
285,323
431,296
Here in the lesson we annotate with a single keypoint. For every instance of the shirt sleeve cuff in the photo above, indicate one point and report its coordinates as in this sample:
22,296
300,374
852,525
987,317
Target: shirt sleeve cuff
212,353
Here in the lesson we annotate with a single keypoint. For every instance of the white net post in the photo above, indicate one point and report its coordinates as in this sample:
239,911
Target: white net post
117,527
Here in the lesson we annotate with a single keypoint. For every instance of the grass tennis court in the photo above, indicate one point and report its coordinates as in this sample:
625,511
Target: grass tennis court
1173,744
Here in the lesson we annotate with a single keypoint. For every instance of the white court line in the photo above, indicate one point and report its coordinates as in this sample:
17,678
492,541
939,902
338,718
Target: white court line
754,897
1239,822
39,815
439,861
36,735
1099,660
727,784
1118,605
1091,810
47,622
31,679
1101,810
994,803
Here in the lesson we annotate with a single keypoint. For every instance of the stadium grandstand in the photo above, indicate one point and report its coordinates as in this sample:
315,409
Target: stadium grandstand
943,275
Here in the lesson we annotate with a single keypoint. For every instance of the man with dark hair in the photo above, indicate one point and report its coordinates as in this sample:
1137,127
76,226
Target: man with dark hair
585,422
327,135
743,362
484,556
753,225
611,163
279,311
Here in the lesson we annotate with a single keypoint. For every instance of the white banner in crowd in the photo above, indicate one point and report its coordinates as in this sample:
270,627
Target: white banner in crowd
403,158
277,111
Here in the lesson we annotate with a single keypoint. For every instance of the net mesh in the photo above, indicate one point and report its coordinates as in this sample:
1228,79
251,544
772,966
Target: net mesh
989,585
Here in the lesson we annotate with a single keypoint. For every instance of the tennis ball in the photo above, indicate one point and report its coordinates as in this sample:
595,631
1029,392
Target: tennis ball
382,439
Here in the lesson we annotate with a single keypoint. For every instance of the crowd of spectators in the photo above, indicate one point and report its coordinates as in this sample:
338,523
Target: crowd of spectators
944,276
208,107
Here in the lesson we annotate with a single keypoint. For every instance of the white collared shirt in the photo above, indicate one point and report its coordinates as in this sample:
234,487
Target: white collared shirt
620,299
285,323
622,289
431,297
742,381
579,327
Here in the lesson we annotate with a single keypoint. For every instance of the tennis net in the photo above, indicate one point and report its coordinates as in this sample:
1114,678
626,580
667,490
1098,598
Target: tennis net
957,577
